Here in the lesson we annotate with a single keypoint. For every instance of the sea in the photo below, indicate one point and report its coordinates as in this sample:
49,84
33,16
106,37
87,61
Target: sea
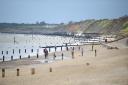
17,45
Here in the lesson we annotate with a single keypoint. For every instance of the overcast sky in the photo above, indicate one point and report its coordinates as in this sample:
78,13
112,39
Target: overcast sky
56,11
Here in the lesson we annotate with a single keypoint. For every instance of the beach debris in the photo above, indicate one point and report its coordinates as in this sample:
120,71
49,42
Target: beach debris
87,64
109,47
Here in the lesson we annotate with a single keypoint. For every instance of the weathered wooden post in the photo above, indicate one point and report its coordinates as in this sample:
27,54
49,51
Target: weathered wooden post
25,50
49,49
67,48
95,53
37,55
3,72
79,47
50,69
73,48
82,52
106,41
11,57
127,42
18,72
6,52
32,50
72,54
19,51
3,58
20,56
92,47
13,51
32,71
62,56
55,48
37,50
61,48
28,56
2,52
54,56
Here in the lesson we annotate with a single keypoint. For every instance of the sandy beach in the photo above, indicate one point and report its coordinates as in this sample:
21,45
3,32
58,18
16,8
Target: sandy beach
108,67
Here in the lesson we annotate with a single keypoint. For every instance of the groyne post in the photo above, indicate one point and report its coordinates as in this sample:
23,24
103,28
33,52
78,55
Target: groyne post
49,49
92,47
95,53
3,72
61,48
79,48
37,55
37,50
54,56
28,56
6,52
11,57
67,48
18,72
19,51
72,54
25,50
55,48
32,71
82,52
62,56
20,56
3,58
50,69
31,50
13,51
2,52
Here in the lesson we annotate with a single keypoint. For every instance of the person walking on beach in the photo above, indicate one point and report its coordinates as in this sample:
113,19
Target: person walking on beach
45,53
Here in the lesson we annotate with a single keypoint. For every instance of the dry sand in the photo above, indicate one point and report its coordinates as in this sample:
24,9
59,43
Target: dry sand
109,67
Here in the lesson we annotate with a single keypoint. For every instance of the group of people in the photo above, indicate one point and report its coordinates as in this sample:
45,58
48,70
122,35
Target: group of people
45,53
